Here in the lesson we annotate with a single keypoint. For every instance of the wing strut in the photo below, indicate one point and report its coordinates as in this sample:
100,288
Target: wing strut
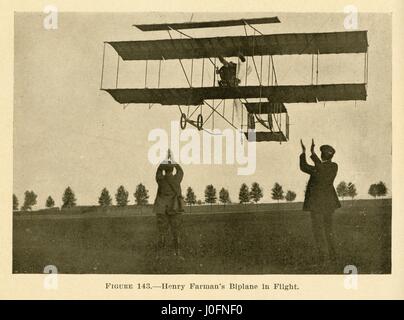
103,63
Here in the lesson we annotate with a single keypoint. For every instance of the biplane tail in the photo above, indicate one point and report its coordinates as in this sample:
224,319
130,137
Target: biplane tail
263,136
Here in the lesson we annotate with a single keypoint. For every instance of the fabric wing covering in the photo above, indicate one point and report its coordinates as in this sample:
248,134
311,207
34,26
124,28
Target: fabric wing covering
205,24
265,107
278,94
274,44
266,136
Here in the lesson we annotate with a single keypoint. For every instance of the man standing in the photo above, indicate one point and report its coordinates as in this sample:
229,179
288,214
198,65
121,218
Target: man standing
168,204
320,197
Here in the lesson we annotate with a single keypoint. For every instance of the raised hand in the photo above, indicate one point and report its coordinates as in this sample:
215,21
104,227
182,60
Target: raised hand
303,147
312,146
168,158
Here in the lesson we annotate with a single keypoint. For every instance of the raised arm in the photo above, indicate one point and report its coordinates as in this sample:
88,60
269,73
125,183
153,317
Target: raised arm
223,61
304,166
314,156
159,173
179,172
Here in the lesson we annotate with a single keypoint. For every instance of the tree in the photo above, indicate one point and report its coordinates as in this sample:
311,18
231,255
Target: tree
69,200
29,200
290,196
373,190
351,190
342,190
190,197
50,203
244,194
224,196
210,194
15,203
277,192
105,199
121,197
256,192
141,195
381,189
378,189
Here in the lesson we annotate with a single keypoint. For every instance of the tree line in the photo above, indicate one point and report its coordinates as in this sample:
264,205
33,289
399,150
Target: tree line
141,196
349,190
246,194
69,200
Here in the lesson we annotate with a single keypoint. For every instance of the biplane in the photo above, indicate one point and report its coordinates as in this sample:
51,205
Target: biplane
261,105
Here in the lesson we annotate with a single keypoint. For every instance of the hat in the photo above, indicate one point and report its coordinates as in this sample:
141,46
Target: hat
327,149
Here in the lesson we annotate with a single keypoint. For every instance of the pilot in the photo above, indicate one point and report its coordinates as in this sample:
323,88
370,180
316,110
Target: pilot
168,204
320,198
228,73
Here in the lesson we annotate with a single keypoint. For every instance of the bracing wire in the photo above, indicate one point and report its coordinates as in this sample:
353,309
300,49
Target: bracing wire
102,70
182,66
246,72
117,73
232,113
312,69
269,69
145,74
214,73
203,69
158,81
317,70
192,70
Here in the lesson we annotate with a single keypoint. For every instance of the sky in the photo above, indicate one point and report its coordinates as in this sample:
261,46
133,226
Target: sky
68,132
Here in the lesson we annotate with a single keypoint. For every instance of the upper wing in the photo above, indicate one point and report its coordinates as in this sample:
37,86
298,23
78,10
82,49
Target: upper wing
205,24
273,44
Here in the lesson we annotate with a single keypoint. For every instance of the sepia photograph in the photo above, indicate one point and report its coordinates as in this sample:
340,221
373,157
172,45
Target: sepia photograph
202,143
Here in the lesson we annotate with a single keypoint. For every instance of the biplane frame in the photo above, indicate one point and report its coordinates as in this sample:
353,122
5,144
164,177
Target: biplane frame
269,111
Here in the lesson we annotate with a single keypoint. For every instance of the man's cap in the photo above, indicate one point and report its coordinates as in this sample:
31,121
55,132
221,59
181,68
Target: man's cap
327,149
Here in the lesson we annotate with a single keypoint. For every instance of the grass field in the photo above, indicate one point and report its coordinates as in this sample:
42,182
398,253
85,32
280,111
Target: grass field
273,242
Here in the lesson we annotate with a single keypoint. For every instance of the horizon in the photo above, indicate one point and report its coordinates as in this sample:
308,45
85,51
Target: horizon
274,202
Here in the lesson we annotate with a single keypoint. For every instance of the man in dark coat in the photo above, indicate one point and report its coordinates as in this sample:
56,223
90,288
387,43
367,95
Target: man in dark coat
320,197
167,206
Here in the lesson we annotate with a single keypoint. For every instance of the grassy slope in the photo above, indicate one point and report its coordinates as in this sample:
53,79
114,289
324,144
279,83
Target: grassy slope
231,243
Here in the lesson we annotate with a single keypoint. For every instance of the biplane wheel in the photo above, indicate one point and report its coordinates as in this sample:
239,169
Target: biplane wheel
183,121
270,121
199,122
